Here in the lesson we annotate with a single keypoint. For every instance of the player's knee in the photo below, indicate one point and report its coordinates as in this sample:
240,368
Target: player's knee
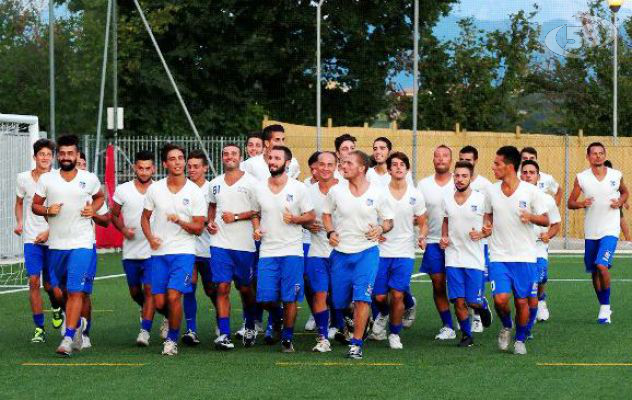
397,296
34,282
380,298
223,289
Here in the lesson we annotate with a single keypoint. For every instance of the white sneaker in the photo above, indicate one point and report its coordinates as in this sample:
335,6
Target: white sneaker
85,342
331,333
477,325
543,311
170,348
239,334
379,325
223,342
164,329
520,348
604,315
394,342
65,347
142,339
504,338
409,315
446,333
310,325
77,340
322,345
62,331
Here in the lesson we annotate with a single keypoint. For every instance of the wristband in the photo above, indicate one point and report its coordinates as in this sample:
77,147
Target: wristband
330,233
236,217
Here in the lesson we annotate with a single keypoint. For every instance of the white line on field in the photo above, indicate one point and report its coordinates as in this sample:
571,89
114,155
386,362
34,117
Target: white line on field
98,278
554,280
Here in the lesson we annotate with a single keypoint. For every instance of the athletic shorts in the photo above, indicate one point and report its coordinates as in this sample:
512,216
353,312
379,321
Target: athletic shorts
72,270
317,273
232,265
433,261
306,249
138,272
519,278
203,266
599,252
465,283
172,271
36,260
543,270
353,276
280,279
393,273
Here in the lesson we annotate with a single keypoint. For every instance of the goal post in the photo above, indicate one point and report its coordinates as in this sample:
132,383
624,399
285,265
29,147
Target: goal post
17,135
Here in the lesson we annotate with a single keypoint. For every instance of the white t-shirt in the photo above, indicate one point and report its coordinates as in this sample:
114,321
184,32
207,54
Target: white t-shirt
281,239
354,215
258,167
320,244
600,219
554,218
384,180
433,195
32,225
307,236
480,184
189,202
400,241
547,184
463,252
69,230
203,243
512,240
132,203
237,199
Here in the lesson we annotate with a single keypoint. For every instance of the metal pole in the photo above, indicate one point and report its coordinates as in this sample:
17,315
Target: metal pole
615,112
115,83
566,185
51,63
104,66
173,83
318,77
415,87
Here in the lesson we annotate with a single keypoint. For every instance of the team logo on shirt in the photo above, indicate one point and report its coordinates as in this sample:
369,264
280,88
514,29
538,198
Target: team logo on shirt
522,204
369,202
185,202
541,185
241,189
412,201
289,198
82,184
474,208
613,183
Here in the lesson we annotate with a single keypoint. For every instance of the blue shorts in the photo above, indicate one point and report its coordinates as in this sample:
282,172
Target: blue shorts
228,265
465,283
433,261
138,272
72,270
486,255
393,273
353,276
35,260
519,278
172,271
317,273
306,249
280,279
543,270
599,252
203,266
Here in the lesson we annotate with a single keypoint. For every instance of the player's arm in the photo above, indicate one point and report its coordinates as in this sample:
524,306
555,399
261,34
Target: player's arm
194,227
303,219
97,201
540,220
558,196
328,225
445,241
229,217
623,194
154,242
573,202
102,220
117,221
422,222
19,214
488,223
38,207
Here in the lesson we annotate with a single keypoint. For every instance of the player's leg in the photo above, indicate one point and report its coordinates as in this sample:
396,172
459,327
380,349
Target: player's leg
433,263
365,266
380,307
603,251
543,313
133,274
341,291
34,259
292,293
148,307
242,275
180,272
269,294
456,278
317,273
190,307
399,275
86,311
501,290
221,268
525,286
532,301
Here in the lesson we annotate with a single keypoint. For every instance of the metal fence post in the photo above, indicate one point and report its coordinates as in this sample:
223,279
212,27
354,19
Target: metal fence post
566,184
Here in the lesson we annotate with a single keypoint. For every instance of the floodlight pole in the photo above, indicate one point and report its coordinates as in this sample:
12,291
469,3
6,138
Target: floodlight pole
51,64
104,66
615,106
415,87
318,77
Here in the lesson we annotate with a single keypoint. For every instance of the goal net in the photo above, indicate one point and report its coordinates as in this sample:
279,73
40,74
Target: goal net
17,133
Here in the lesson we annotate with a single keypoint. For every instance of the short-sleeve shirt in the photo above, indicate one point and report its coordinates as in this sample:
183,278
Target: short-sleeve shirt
434,194
600,219
400,241
463,252
132,203
32,225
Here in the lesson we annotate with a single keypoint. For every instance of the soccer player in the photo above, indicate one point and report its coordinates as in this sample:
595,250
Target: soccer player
254,144
478,183
179,213
197,168
529,172
344,144
625,229
73,197
284,206
34,232
127,207
273,135
317,263
231,208
547,183
81,162
379,174
461,235
353,233
434,188
604,193
397,249
312,162
512,208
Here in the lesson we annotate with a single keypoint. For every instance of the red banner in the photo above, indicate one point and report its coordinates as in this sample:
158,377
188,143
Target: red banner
108,238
